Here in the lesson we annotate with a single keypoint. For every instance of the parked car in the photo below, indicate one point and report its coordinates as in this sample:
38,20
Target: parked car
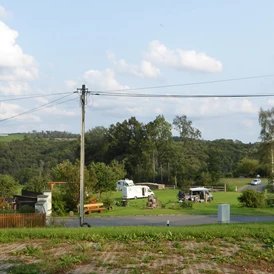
255,182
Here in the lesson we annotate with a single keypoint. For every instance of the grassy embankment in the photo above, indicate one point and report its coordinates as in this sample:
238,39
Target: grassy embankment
219,248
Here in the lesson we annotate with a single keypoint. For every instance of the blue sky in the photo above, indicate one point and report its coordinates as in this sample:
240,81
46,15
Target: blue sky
54,47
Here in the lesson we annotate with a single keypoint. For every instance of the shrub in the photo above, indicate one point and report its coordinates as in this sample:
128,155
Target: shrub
26,209
107,200
252,198
186,204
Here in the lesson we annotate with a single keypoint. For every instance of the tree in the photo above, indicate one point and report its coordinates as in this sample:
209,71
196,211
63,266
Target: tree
188,155
184,127
158,144
248,167
8,186
95,145
105,177
266,121
70,173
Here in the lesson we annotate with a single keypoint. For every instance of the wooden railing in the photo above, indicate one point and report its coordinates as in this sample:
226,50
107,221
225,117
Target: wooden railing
15,220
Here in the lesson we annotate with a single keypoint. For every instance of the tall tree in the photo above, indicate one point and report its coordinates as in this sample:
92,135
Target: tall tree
188,157
159,142
266,121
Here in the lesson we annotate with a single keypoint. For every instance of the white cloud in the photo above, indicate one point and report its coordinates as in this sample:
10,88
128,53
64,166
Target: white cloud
102,80
145,70
181,59
4,14
71,84
15,66
9,110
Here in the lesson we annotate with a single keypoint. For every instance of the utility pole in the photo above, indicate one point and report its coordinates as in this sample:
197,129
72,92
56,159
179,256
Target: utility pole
84,91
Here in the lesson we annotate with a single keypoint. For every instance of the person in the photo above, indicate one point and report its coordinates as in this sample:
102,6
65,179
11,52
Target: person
181,195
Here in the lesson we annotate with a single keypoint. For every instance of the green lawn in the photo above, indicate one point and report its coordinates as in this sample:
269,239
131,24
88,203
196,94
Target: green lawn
169,198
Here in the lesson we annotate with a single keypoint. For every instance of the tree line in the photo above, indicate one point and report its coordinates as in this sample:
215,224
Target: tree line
142,152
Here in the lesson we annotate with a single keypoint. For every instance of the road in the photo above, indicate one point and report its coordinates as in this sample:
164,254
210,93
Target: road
258,187
174,220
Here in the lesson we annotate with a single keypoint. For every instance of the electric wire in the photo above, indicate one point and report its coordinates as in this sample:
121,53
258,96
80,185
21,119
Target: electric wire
189,84
31,97
49,104
183,96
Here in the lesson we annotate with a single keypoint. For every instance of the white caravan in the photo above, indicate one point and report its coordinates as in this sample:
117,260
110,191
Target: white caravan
121,183
134,192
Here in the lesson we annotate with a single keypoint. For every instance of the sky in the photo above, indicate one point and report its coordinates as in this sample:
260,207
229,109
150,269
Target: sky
48,49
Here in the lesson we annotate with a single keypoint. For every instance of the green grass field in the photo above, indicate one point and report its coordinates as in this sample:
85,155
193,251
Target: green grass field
172,206
12,137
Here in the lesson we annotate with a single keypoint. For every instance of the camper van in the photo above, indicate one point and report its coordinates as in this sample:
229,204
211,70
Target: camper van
134,192
200,194
124,183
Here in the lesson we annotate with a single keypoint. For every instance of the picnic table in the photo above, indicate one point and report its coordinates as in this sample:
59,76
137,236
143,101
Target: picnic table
94,207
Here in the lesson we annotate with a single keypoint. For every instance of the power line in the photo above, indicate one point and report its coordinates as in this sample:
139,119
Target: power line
31,97
39,107
182,96
189,84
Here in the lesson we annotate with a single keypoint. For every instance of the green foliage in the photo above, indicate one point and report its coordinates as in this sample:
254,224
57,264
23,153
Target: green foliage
58,202
26,209
107,199
247,167
8,186
70,173
252,198
33,268
105,177
186,204
37,184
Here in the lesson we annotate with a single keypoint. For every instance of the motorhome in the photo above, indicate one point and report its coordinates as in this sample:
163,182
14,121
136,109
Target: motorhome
124,183
200,194
134,192
196,194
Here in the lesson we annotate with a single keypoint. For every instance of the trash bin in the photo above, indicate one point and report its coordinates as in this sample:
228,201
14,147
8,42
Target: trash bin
223,213
124,202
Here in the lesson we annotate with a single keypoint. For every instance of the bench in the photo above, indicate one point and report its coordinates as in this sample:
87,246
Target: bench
94,207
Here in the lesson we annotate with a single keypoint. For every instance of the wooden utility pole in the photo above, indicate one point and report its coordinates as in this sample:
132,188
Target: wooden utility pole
82,154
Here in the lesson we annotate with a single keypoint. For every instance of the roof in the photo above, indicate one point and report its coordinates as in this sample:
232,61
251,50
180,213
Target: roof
198,188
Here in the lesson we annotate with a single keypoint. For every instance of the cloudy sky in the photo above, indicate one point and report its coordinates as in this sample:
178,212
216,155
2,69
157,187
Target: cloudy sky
48,49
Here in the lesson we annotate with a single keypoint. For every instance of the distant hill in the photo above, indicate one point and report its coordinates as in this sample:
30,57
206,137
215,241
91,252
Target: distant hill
52,135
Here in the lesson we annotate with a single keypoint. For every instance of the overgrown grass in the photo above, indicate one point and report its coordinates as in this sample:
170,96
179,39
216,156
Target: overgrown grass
263,231
245,248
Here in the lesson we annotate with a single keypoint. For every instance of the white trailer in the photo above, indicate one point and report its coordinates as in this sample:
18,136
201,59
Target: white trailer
121,183
134,192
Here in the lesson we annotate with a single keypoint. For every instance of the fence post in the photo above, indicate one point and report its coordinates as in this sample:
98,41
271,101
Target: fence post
225,187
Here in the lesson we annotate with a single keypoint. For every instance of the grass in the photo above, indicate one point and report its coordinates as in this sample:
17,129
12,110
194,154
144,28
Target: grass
169,199
241,248
12,137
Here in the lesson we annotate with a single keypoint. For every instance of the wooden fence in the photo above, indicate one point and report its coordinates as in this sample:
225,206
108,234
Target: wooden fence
211,188
15,220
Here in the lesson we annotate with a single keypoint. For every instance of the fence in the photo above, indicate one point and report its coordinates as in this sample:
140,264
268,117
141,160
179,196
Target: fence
211,188
15,220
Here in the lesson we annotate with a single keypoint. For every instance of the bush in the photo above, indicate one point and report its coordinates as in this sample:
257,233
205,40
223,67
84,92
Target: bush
186,204
252,198
107,200
26,209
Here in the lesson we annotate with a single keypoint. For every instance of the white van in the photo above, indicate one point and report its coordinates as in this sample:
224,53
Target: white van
199,194
122,183
134,192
